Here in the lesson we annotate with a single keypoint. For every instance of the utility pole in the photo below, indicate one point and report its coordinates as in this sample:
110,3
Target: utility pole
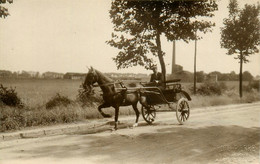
195,76
173,57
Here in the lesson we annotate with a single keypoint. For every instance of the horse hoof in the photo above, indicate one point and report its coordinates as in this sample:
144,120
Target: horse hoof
135,125
113,129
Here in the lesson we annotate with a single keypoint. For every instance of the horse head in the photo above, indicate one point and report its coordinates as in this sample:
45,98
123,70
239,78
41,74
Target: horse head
90,80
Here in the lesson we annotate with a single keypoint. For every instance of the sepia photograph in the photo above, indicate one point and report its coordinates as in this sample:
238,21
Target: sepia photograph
129,81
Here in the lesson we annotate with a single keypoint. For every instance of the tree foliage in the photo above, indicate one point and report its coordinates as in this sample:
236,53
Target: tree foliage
241,33
138,26
247,76
4,11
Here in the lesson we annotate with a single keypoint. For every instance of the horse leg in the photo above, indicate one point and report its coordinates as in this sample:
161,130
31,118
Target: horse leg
143,101
137,114
116,116
104,105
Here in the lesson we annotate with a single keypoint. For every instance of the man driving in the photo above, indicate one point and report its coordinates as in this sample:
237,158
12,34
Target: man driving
156,76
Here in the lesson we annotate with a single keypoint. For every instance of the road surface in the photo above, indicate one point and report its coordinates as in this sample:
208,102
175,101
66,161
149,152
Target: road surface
226,134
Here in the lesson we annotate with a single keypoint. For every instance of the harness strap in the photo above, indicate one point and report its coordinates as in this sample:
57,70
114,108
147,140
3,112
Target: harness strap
107,84
97,85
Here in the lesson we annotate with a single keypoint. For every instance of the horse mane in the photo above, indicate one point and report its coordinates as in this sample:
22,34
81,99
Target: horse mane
104,77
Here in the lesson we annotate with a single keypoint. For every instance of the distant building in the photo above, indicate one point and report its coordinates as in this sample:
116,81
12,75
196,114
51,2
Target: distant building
52,75
74,76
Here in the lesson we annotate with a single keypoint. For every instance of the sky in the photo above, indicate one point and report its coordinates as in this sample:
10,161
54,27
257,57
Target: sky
70,35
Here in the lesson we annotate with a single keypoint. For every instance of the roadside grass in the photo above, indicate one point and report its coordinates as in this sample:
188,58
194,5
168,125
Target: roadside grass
229,95
35,94
213,100
12,118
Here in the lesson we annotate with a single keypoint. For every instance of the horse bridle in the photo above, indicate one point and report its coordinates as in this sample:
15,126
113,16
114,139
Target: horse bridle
89,82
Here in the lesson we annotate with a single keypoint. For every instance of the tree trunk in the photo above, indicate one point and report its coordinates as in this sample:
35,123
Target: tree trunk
160,56
195,76
158,41
240,75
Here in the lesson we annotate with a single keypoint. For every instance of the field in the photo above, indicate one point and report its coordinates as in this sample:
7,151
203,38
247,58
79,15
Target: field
35,93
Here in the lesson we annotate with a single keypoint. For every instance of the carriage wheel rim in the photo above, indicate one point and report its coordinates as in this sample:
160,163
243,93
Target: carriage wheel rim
148,115
182,111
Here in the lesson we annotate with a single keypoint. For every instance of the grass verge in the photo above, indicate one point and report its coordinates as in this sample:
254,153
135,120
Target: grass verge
62,109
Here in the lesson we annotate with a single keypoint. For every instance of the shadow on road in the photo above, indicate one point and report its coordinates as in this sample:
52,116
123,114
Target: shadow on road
176,144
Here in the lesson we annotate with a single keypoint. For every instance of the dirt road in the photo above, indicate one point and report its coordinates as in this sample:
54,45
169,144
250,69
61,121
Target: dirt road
227,134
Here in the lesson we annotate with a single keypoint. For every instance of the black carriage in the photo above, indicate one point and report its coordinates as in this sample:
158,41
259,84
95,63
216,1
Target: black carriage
171,93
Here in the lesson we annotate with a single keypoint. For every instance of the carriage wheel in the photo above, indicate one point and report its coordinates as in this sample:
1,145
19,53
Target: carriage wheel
182,110
149,113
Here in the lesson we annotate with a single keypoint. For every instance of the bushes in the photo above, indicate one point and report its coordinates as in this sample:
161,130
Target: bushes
254,84
9,97
11,118
58,100
210,88
14,118
61,109
86,99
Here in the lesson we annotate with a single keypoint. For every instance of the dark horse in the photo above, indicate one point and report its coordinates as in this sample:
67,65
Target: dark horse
111,96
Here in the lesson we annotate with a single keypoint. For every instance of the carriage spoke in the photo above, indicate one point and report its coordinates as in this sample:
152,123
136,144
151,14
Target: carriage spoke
180,107
184,116
183,110
149,114
179,116
183,105
147,117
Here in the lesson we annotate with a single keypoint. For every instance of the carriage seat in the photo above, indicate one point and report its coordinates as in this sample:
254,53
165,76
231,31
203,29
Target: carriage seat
172,81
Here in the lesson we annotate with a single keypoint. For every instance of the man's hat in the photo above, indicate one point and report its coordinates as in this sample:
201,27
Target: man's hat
154,67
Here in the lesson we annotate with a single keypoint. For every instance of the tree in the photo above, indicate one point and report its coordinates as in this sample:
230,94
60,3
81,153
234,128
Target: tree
200,76
233,76
4,11
241,33
25,74
247,76
140,24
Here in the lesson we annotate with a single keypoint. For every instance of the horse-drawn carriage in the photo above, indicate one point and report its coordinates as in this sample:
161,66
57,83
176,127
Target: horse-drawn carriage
150,95
172,95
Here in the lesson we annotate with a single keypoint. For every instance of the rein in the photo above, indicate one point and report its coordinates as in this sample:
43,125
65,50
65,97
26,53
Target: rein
107,84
